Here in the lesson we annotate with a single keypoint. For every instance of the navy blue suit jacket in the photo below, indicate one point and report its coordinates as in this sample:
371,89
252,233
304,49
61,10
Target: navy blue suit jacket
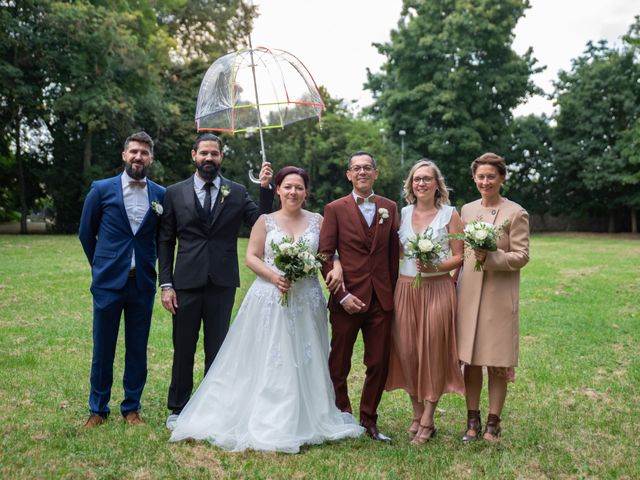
109,242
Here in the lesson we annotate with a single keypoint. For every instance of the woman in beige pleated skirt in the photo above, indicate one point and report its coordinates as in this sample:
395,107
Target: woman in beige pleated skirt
424,358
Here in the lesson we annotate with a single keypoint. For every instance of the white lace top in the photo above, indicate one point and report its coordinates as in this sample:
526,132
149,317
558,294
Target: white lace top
439,225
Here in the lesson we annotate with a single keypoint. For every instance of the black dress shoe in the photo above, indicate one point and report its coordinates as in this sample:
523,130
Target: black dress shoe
375,434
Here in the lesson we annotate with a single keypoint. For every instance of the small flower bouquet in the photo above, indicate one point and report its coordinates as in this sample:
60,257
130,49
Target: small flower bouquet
225,191
157,207
424,249
296,261
482,235
383,213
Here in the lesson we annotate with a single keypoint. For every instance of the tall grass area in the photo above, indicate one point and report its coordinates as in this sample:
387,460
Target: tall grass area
572,413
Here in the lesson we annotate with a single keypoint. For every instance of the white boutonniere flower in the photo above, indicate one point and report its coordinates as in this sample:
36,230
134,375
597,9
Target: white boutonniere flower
225,191
383,213
157,207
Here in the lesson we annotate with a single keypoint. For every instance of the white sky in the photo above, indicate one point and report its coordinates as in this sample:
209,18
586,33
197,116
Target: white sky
333,38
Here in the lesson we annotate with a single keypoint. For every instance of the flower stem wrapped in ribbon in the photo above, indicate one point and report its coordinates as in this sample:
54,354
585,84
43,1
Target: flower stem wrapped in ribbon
425,250
480,235
295,260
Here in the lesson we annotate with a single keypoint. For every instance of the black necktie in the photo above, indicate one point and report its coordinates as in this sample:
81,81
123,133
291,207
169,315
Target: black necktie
207,200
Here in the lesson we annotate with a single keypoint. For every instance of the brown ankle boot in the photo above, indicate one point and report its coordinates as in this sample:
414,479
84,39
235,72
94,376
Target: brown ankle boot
473,423
492,431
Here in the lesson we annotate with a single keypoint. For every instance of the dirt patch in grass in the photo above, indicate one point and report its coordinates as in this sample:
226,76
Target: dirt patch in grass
195,456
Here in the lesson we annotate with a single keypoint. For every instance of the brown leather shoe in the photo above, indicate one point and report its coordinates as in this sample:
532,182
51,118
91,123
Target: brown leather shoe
133,418
375,434
94,421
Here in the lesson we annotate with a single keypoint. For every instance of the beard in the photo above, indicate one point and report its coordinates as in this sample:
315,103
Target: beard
208,171
138,174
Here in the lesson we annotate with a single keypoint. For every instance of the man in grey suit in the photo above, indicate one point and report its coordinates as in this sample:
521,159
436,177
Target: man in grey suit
203,214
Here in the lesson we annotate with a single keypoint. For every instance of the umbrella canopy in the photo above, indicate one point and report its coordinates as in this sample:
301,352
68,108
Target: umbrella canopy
256,89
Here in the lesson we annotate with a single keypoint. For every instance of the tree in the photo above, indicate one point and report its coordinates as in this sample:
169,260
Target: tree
531,164
451,80
599,109
22,81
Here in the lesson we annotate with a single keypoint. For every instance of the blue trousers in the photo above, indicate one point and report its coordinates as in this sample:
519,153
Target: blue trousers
108,306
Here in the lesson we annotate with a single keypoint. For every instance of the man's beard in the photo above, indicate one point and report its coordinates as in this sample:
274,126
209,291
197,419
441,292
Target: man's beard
210,173
135,174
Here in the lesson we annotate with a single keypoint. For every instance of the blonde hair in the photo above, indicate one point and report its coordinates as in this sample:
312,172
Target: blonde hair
442,194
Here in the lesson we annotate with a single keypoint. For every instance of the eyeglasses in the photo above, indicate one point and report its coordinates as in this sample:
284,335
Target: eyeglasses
425,180
362,168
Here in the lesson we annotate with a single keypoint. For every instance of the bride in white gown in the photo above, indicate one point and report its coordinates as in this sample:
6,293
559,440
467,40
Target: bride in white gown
269,386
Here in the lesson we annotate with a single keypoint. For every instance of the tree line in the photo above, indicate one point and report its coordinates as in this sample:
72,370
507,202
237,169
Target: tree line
76,77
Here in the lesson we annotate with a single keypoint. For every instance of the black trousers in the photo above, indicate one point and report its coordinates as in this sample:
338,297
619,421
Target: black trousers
210,305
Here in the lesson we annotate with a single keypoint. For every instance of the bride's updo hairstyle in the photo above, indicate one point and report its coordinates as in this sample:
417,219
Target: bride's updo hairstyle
289,170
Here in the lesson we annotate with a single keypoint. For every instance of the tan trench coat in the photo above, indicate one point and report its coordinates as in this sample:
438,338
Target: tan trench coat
487,319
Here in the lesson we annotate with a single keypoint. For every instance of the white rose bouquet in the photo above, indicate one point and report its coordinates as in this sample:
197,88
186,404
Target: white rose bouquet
483,235
425,250
296,261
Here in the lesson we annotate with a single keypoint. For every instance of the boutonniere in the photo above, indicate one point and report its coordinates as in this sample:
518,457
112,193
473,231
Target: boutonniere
225,191
383,213
157,207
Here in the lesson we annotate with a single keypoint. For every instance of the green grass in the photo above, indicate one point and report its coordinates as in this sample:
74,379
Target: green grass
572,413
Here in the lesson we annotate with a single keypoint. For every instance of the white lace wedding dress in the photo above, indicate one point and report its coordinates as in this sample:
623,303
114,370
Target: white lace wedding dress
269,387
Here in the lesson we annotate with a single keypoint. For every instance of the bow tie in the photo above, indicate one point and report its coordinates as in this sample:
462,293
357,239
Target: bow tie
137,183
370,199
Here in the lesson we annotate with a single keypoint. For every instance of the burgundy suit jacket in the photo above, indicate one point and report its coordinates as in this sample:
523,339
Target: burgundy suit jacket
368,266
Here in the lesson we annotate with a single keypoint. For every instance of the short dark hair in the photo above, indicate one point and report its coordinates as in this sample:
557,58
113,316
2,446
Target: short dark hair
206,137
288,170
490,159
142,137
363,152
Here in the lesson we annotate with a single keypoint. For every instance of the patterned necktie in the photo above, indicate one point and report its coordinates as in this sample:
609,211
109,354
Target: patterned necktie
370,199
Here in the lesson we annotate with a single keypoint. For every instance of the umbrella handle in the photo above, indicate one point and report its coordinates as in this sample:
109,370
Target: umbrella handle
252,177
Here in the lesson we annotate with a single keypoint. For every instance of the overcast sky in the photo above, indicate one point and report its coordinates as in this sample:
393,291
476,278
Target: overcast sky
333,38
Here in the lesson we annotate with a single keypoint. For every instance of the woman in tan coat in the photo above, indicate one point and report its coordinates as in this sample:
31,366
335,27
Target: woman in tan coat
487,319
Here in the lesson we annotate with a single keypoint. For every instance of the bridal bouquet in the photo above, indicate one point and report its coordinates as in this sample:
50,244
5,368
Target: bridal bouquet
424,249
483,235
296,260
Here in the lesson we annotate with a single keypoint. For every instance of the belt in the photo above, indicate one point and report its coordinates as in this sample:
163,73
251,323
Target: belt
132,272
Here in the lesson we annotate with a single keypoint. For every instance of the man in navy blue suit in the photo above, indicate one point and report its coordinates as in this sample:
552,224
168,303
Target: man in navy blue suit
118,231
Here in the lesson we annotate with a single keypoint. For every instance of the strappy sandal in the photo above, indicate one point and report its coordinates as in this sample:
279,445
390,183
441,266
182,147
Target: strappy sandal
414,427
426,433
493,430
473,424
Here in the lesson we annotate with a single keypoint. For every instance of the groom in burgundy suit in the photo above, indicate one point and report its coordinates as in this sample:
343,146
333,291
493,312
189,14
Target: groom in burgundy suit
363,229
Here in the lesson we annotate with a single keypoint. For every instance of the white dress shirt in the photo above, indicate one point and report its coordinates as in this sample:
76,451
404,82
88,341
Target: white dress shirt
198,186
136,203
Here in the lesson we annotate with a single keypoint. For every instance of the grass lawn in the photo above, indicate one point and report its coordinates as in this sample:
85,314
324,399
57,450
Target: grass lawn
573,412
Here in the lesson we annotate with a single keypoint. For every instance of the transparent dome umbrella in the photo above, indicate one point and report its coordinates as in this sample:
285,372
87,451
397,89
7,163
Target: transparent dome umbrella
256,89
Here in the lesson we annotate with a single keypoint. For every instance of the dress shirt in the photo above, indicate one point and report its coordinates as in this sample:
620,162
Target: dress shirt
368,209
198,186
136,203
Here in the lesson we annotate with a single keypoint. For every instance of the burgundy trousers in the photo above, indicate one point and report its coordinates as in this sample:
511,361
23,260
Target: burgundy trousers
375,324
